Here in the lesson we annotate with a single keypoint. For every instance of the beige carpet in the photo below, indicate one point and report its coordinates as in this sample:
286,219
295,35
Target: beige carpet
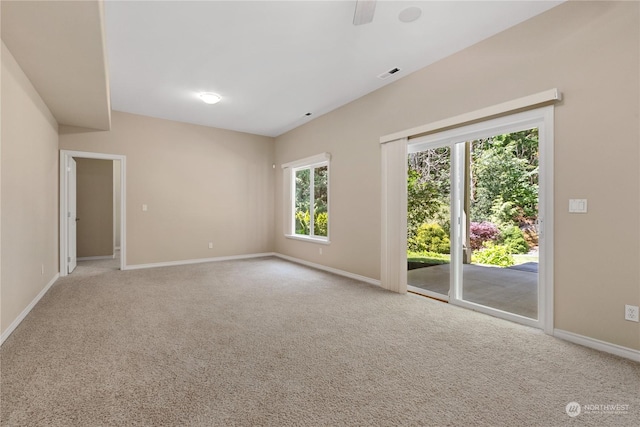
268,342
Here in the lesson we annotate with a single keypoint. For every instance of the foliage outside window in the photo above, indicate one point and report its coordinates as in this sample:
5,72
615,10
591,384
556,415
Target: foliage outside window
503,195
307,198
311,201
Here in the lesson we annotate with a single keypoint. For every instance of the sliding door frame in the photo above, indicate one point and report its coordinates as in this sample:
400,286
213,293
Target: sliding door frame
394,203
418,145
542,119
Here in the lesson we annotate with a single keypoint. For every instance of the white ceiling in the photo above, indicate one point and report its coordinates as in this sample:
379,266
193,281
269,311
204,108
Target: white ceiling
274,61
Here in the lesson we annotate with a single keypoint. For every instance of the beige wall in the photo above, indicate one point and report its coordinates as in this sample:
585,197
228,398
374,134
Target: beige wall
29,193
590,51
94,207
200,185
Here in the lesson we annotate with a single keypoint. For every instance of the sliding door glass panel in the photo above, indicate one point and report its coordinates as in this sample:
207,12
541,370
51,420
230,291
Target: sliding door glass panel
499,220
429,222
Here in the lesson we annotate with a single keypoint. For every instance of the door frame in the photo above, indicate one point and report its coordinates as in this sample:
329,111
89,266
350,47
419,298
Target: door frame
541,118
72,213
65,155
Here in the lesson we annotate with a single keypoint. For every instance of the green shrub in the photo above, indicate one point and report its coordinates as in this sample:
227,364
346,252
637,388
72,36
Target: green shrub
302,222
431,237
513,238
503,213
319,223
493,254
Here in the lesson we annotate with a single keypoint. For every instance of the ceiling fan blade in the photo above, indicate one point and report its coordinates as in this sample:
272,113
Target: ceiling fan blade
364,12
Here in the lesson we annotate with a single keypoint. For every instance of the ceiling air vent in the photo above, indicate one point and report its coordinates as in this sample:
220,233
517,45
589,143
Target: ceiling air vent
388,73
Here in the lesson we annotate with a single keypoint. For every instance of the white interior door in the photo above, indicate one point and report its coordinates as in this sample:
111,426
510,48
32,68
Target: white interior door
71,216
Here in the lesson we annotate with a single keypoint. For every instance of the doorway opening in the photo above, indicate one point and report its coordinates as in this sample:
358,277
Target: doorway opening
92,211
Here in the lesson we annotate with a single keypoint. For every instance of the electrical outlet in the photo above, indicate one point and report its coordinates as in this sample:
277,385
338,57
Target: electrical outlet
42,270
631,313
320,251
210,245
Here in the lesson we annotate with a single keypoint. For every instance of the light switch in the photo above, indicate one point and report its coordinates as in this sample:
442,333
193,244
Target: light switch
578,205
144,208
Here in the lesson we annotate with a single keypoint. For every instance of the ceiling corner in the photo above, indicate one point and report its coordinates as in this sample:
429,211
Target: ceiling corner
61,47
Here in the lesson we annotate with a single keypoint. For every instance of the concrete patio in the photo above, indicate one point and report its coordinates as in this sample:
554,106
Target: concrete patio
505,289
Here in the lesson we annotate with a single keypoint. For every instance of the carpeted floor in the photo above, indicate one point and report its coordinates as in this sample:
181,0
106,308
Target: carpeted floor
268,342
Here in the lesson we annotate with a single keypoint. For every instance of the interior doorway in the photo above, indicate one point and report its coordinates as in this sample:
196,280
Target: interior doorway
477,199
100,237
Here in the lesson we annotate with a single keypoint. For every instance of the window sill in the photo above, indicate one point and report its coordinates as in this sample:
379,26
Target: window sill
308,239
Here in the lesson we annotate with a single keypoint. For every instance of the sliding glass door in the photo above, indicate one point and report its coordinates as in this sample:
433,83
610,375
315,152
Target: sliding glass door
500,235
429,221
474,232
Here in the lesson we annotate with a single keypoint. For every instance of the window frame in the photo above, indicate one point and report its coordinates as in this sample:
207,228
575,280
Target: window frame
290,169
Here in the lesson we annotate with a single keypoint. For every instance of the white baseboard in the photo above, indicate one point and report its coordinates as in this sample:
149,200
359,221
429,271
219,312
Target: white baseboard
330,269
93,258
196,261
26,311
258,255
618,350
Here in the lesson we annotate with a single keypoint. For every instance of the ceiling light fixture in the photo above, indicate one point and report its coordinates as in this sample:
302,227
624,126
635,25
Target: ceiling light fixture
410,14
210,97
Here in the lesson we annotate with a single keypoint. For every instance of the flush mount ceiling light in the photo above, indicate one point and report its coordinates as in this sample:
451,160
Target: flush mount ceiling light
209,97
410,14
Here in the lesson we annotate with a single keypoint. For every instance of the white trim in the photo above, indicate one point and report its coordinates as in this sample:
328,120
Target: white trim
64,156
92,258
495,312
289,170
258,255
12,327
481,114
197,261
485,128
545,211
308,161
618,350
311,239
329,269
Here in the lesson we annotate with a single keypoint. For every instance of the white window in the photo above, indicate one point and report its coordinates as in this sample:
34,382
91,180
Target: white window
307,198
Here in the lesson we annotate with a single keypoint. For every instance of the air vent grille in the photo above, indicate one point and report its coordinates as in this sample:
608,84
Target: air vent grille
388,73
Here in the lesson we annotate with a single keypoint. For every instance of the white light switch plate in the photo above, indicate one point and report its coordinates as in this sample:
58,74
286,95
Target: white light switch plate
578,205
